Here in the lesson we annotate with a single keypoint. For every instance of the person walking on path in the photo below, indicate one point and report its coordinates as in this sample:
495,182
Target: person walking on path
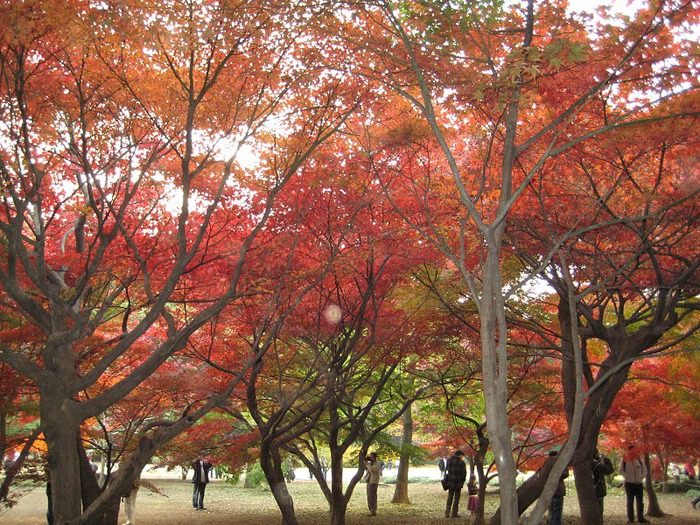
456,475
199,480
634,471
374,471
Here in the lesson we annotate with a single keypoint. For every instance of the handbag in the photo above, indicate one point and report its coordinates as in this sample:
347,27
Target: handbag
444,483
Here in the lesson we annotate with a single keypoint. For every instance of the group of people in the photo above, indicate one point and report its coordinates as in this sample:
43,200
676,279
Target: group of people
454,476
632,469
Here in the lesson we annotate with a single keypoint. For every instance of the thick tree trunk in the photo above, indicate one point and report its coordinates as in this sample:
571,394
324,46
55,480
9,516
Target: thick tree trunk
654,509
585,490
597,405
401,488
339,509
339,501
91,489
64,466
581,460
271,464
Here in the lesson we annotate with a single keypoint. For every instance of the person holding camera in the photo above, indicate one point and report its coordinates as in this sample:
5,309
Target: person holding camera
601,467
372,476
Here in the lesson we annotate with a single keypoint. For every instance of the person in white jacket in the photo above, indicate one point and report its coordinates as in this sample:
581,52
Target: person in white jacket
634,471
374,472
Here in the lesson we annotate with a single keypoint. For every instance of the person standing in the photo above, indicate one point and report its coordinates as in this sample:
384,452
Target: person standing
456,475
601,467
374,470
633,471
676,473
199,480
556,506
473,490
441,466
689,471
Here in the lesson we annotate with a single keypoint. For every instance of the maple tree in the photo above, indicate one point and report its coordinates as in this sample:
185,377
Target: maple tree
476,73
141,248
656,410
631,257
127,219
334,361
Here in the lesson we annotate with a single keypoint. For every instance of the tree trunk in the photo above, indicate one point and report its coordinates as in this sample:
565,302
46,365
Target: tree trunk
339,508
401,489
585,490
654,509
64,463
271,464
495,363
597,406
479,465
339,502
91,489
581,461
664,472
529,491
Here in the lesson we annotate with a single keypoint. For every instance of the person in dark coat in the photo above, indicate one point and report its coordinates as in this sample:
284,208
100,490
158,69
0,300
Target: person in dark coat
441,465
455,475
200,479
556,506
601,467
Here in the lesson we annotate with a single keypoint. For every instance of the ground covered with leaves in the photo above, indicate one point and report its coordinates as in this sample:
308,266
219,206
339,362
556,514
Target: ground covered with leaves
230,504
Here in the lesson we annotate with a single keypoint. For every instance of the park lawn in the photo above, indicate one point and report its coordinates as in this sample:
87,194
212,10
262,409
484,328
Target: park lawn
231,505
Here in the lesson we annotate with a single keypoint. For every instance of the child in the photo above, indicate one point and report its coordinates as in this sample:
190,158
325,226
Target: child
473,489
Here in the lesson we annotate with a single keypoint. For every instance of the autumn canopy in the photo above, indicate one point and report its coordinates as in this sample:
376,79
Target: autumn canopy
278,231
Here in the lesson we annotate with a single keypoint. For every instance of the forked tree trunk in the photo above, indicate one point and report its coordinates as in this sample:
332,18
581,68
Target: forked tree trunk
91,489
529,491
339,510
339,501
401,488
271,464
